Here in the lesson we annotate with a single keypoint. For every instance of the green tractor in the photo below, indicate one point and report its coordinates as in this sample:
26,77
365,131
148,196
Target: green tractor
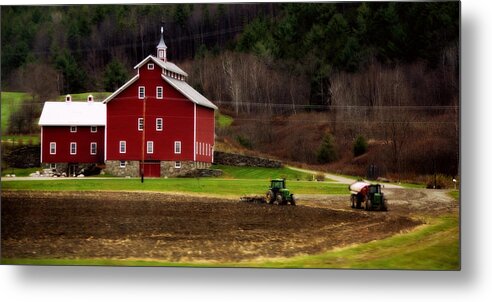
369,194
279,193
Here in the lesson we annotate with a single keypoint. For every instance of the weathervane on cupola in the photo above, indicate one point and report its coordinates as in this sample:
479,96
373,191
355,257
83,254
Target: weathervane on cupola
161,48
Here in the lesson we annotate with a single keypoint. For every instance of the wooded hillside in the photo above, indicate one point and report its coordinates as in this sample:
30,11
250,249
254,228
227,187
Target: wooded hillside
295,76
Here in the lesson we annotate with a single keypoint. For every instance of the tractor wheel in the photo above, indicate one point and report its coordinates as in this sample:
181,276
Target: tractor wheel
368,205
292,200
280,200
270,197
384,206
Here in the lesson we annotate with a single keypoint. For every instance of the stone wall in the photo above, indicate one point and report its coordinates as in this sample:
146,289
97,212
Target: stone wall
203,173
231,159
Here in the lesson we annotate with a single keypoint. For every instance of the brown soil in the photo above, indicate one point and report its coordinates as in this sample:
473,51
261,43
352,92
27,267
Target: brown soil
183,228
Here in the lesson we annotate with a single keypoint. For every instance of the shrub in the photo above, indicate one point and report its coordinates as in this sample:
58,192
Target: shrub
244,142
439,181
320,176
326,152
360,146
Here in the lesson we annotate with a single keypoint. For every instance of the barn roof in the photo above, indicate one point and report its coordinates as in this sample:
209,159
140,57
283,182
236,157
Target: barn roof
73,114
189,92
166,65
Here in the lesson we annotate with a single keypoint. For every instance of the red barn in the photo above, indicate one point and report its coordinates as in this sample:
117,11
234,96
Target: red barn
154,124
72,134
157,123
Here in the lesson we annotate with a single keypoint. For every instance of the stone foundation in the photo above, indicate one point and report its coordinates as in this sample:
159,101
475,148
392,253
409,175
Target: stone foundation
131,169
168,168
60,167
72,168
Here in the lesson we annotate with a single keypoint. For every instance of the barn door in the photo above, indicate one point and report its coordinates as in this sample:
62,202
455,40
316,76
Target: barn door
151,169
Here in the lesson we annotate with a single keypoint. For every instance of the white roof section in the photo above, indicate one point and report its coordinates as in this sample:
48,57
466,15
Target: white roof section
166,65
73,114
189,92
109,98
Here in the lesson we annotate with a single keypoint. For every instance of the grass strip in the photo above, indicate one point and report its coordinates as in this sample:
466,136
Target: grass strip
215,186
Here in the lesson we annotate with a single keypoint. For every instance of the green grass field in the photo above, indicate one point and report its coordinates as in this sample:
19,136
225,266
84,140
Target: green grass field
202,186
432,247
10,101
262,173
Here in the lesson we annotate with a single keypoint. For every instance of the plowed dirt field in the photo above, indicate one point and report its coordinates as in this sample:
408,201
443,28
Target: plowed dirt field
184,228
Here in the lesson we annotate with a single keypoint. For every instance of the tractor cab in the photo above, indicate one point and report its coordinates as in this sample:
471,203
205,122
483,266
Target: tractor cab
375,198
277,184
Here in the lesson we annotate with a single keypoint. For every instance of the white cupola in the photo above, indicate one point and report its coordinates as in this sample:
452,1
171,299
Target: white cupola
161,47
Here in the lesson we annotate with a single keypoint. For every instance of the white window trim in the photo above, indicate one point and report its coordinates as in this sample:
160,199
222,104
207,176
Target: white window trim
122,143
140,90
176,144
140,121
95,149
151,149
52,166
54,144
157,120
150,66
73,129
177,164
157,92
73,144
122,164
93,129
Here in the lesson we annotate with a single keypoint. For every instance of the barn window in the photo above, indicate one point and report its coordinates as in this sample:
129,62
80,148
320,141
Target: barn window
177,165
93,148
52,166
177,147
122,164
73,148
150,147
158,124
73,129
122,146
158,93
150,66
93,129
52,148
140,124
141,92
161,54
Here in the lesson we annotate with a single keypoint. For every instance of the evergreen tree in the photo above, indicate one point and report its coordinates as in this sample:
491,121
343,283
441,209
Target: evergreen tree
115,75
326,152
360,146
